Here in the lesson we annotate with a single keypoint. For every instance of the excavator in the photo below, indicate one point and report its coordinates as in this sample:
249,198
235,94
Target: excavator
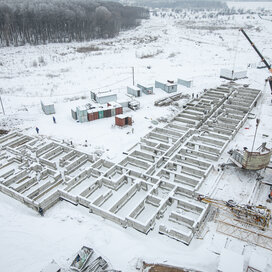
256,216
269,79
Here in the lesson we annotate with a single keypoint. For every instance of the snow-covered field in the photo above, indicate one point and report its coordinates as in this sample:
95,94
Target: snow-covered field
191,45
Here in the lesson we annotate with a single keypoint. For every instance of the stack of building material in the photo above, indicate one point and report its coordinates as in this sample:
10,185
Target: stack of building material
169,100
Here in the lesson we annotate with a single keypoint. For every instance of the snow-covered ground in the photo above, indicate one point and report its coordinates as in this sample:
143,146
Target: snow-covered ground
191,46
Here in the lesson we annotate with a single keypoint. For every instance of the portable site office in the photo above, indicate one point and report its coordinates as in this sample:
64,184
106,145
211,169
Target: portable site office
232,75
103,97
135,91
145,88
169,86
123,120
185,82
48,107
91,112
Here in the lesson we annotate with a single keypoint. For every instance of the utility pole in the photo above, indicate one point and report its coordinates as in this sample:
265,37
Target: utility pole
132,76
2,105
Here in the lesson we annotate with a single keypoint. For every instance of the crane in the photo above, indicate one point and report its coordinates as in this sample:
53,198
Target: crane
258,216
269,79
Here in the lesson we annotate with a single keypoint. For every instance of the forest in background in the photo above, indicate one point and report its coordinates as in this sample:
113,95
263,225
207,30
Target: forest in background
40,22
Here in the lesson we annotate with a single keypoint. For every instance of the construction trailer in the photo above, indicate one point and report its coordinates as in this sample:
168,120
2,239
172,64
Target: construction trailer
91,112
103,97
81,113
232,75
185,82
48,107
169,86
135,91
145,88
123,120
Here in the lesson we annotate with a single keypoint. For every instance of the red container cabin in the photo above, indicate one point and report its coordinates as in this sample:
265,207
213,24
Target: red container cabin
123,120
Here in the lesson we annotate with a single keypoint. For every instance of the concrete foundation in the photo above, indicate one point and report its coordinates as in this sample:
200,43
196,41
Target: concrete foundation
156,181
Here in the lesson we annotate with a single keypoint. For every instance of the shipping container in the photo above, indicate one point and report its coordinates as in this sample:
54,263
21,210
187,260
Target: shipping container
90,116
103,97
145,88
232,75
95,115
107,113
135,91
83,119
101,114
112,112
119,121
185,82
48,107
123,120
119,111
82,112
168,86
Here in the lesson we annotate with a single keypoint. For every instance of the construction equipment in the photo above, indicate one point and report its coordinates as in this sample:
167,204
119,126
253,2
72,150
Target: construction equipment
269,79
257,216
252,160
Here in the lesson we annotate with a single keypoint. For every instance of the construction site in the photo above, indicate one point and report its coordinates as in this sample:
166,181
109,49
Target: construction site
150,153
157,186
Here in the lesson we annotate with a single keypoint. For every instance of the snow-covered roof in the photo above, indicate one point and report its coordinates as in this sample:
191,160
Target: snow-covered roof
145,85
47,101
135,88
230,261
170,84
114,104
134,102
122,116
103,93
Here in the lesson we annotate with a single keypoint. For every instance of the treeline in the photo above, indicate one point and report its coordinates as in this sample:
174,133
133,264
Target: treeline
182,4
39,22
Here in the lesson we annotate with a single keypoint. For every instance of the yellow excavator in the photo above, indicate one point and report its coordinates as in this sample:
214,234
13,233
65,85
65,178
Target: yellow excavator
257,216
269,79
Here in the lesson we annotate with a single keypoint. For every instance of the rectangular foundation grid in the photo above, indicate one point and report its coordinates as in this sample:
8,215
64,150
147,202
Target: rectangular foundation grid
155,183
